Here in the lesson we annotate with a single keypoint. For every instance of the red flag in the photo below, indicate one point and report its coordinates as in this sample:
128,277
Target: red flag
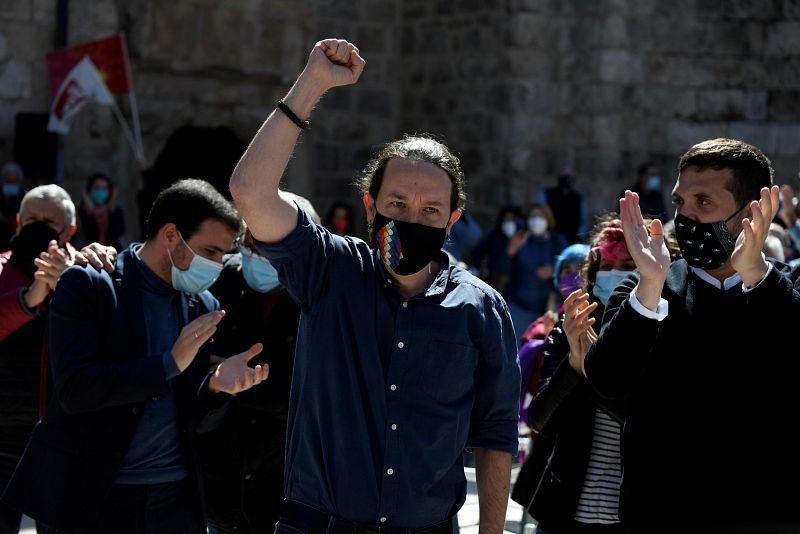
82,85
110,57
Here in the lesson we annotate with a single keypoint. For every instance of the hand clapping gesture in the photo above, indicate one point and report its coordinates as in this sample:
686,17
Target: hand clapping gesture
746,257
578,327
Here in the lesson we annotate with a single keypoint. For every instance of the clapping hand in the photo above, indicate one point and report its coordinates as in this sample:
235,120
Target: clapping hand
746,258
578,327
233,375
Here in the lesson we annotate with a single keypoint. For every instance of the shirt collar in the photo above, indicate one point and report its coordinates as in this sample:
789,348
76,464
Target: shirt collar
439,283
150,280
726,284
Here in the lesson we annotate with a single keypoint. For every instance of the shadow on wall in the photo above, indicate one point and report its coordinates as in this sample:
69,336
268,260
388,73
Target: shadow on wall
190,152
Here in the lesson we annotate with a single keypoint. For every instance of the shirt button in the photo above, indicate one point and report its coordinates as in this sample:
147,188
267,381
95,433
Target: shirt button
135,411
394,426
390,471
252,421
393,387
400,345
382,520
405,304
248,476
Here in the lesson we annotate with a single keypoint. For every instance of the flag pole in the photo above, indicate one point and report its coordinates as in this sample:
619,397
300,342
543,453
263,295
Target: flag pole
137,129
125,128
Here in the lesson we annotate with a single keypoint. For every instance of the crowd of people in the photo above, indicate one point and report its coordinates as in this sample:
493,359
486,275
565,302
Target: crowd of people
249,367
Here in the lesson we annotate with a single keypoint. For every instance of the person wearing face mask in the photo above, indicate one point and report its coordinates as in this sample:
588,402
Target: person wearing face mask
129,353
248,445
532,253
729,461
649,186
402,360
577,490
101,220
489,256
11,193
29,272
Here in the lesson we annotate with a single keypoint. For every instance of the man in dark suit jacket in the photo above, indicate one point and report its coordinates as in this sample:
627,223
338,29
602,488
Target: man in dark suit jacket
115,450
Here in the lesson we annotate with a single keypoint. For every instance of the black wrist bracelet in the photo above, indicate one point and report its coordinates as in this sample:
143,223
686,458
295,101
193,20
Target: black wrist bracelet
294,118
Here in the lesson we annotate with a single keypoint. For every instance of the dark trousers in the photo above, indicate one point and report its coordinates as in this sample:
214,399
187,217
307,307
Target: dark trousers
171,508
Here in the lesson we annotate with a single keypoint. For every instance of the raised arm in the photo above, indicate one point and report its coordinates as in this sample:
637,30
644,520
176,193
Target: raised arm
254,184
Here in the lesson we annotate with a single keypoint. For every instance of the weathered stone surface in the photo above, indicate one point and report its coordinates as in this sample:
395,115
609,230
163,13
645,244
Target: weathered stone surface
764,136
519,88
682,134
15,80
783,38
15,10
783,105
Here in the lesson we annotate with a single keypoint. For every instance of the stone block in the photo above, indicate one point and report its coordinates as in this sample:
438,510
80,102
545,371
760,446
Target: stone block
506,97
27,42
720,104
524,63
3,48
43,11
372,38
415,9
19,10
614,32
375,102
607,130
754,9
755,105
529,30
381,11
594,98
15,80
683,134
783,38
92,20
621,66
338,10
787,139
783,105
764,136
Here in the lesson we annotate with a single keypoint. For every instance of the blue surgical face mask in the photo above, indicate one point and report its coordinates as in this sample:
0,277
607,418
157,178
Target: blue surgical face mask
605,283
11,190
654,183
258,272
201,274
99,196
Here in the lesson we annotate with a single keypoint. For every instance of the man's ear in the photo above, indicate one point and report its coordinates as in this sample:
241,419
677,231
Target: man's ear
169,234
19,227
369,206
455,216
71,231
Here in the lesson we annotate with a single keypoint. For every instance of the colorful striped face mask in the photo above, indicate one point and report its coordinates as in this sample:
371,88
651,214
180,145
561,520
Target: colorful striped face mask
406,248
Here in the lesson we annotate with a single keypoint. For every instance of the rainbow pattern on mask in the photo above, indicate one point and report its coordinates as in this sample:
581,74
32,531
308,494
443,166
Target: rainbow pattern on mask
389,245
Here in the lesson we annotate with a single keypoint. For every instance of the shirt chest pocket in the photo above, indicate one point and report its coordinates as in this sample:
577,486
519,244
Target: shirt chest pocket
447,371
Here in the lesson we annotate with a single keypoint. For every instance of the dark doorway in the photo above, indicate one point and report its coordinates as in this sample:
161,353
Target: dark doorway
191,152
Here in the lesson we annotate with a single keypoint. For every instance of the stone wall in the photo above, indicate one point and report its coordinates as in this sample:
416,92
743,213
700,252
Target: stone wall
519,88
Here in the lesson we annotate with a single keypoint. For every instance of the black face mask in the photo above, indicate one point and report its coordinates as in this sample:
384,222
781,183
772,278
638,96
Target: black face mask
705,245
31,241
406,248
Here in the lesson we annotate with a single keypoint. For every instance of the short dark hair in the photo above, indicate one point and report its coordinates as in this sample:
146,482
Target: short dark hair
416,147
643,167
186,204
750,167
99,176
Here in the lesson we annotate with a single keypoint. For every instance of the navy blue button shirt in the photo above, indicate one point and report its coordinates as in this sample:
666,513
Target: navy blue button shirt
386,393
